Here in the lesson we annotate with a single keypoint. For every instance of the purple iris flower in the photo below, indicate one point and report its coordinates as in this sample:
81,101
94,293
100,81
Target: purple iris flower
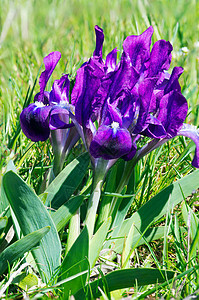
116,104
38,118
48,116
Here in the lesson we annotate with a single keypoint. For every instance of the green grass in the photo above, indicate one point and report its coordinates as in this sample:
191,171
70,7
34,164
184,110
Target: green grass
32,29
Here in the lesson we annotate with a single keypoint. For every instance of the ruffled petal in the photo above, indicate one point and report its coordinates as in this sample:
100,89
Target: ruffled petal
192,132
111,142
173,83
50,63
160,58
59,118
172,112
155,129
137,48
60,90
87,83
34,121
99,41
111,61
145,98
45,100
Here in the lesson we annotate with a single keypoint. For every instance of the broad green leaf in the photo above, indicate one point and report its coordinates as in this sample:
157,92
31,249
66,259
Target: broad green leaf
125,279
75,262
97,241
3,223
17,249
158,206
31,216
66,211
68,180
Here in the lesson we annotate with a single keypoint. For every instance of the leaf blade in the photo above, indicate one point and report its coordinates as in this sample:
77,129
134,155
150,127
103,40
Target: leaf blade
31,216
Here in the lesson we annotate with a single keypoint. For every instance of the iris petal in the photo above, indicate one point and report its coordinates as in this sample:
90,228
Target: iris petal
172,112
34,121
137,48
111,60
192,132
50,63
99,41
60,90
110,143
160,58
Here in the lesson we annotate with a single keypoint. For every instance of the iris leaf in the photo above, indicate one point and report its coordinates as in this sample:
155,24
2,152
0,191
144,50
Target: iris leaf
75,262
31,216
124,279
17,249
68,180
158,206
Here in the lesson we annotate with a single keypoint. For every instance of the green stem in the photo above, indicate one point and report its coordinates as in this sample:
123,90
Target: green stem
59,154
124,180
98,177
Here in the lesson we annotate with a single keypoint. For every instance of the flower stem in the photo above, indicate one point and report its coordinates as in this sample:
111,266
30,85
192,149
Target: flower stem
98,177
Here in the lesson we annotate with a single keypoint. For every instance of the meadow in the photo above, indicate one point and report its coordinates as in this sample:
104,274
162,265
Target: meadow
146,228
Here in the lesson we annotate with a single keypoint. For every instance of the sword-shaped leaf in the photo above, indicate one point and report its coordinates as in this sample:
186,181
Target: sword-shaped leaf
17,249
31,216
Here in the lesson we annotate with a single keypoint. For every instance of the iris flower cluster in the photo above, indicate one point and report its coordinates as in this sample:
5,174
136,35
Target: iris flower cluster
113,104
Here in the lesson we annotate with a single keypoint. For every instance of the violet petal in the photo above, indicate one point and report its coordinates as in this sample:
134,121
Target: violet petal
99,41
111,60
34,122
173,83
60,90
145,98
59,118
155,129
160,58
87,83
172,112
137,48
50,63
111,142
192,132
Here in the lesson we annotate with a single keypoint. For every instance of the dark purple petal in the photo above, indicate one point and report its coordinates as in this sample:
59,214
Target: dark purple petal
34,121
87,83
60,90
145,102
99,41
155,129
45,100
173,83
59,118
114,113
192,132
117,86
160,58
132,153
111,142
137,48
172,112
50,63
111,61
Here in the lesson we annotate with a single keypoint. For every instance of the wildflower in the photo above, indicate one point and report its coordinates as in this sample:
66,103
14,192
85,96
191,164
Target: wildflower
36,118
48,117
116,104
